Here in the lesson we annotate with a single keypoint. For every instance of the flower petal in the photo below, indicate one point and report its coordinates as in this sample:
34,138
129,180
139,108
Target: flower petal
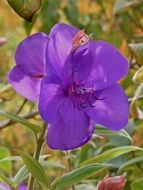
22,187
72,128
4,186
50,99
25,85
30,54
99,64
59,47
112,111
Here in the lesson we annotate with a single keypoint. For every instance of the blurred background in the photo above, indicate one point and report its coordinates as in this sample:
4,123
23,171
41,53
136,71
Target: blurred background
119,22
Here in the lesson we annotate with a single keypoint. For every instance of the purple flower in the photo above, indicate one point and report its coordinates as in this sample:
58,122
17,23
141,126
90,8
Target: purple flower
22,187
80,88
4,186
26,76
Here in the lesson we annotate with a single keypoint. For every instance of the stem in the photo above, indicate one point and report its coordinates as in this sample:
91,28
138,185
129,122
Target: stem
69,165
21,107
40,142
8,122
5,123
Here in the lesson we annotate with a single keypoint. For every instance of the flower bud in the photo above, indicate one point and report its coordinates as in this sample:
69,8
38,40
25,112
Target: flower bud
26,9
112,183
3,41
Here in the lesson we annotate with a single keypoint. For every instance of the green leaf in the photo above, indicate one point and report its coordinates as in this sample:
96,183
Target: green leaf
35,128
6,165
25,8
108,155
130,162
35,168
21,175
84,153
138,76
122,5
137,184
52,164
6,92
24,172
10,158
135,111
77,175
137,48
122,133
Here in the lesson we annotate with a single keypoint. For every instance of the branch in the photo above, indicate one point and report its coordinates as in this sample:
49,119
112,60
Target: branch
6,123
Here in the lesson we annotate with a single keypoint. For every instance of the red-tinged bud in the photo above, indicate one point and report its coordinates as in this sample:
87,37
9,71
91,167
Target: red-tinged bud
3,41
80,38
112,183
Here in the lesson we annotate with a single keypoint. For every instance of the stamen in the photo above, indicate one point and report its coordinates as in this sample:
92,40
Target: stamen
83,97
97,97
83,106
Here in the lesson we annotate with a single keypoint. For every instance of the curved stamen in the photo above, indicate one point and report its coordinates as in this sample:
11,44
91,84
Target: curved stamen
83,106
91,104
97,97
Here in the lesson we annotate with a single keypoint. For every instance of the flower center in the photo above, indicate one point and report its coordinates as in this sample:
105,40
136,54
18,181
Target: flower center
83,97
78,89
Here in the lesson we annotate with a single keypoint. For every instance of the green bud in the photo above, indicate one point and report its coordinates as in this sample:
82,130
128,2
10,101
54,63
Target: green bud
25,8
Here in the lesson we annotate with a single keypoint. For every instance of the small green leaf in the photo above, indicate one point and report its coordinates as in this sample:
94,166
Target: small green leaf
77,175
25,8
121,5
35,128
21,175
137,184
6,165
130,162
10,158
84,153
108,155
137,48
103,131
35,168
52,164
138,76
135,111
6,92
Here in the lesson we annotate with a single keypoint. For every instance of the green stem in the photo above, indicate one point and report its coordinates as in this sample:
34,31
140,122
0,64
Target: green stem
22,106
5,123
9,122
69,166
40,142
